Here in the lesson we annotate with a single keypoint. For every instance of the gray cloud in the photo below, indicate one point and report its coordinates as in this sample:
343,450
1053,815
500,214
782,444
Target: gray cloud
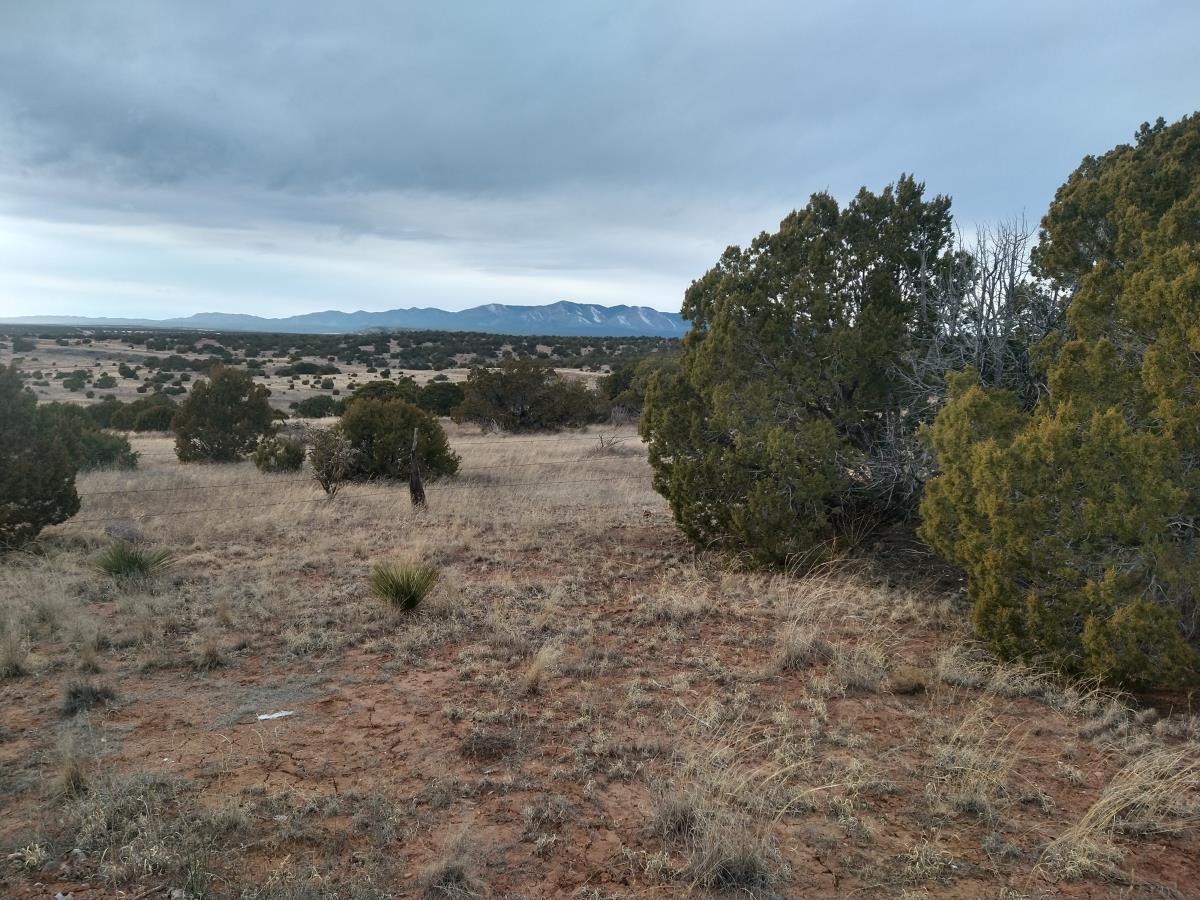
607,148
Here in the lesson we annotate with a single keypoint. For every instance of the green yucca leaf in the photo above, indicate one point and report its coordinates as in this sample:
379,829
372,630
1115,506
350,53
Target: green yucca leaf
123,560
403,585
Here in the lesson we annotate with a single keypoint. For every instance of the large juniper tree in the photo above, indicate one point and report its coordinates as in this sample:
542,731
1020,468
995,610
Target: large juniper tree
768,437
1077,521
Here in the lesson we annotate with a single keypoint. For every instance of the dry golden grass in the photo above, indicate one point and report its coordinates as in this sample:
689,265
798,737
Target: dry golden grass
973,765
1157,793
582,705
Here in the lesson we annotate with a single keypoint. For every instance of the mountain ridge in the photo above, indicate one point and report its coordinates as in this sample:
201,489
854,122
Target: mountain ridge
561,319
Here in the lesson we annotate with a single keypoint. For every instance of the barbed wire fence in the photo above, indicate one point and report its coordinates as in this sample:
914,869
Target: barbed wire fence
591,438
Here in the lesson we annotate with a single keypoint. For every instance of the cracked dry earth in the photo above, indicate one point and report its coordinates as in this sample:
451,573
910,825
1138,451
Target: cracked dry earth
583,708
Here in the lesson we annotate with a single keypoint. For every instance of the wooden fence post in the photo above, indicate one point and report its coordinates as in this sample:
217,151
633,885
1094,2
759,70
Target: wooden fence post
416,490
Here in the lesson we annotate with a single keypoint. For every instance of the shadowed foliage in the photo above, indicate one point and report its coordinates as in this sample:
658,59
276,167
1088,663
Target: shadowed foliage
279,454
37,474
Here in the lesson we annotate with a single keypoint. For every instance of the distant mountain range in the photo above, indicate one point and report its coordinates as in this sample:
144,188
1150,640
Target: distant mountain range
562,319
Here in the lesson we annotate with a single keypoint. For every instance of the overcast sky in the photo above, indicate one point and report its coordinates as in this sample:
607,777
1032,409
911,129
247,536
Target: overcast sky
163,158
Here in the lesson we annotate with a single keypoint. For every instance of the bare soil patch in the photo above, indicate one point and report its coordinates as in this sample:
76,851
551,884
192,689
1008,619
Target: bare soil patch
583,708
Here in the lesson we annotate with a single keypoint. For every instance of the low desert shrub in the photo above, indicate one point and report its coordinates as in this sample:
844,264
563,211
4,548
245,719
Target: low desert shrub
83,695
14,657
450,875
132,827
800,645
330,457
279,454
86,443
722,849
123,561
403,585
71,778
318,407
1154,794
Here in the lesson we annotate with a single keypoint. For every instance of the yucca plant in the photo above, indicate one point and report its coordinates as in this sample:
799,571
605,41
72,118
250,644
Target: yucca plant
404,585
124,561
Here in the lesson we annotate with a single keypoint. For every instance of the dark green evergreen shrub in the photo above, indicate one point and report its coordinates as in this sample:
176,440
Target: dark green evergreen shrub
307,368
222,418
765,438
279,454
1077,520
441,397
157,417
101,413
525,395
380,433
37,476
625,386
403,388
152,413
88,446
319,407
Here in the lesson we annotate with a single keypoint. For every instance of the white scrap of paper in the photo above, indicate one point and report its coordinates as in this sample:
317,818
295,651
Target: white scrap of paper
276,715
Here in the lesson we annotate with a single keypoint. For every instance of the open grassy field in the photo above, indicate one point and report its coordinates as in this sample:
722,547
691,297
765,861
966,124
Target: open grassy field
582,708
103,356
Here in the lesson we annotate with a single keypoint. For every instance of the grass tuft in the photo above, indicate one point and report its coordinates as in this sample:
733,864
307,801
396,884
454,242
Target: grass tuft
14,656
450,875
403,585
1156,793
83,695
71,778
798,646
123,561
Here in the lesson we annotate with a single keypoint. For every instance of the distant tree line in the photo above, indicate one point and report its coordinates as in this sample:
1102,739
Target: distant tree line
197,351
